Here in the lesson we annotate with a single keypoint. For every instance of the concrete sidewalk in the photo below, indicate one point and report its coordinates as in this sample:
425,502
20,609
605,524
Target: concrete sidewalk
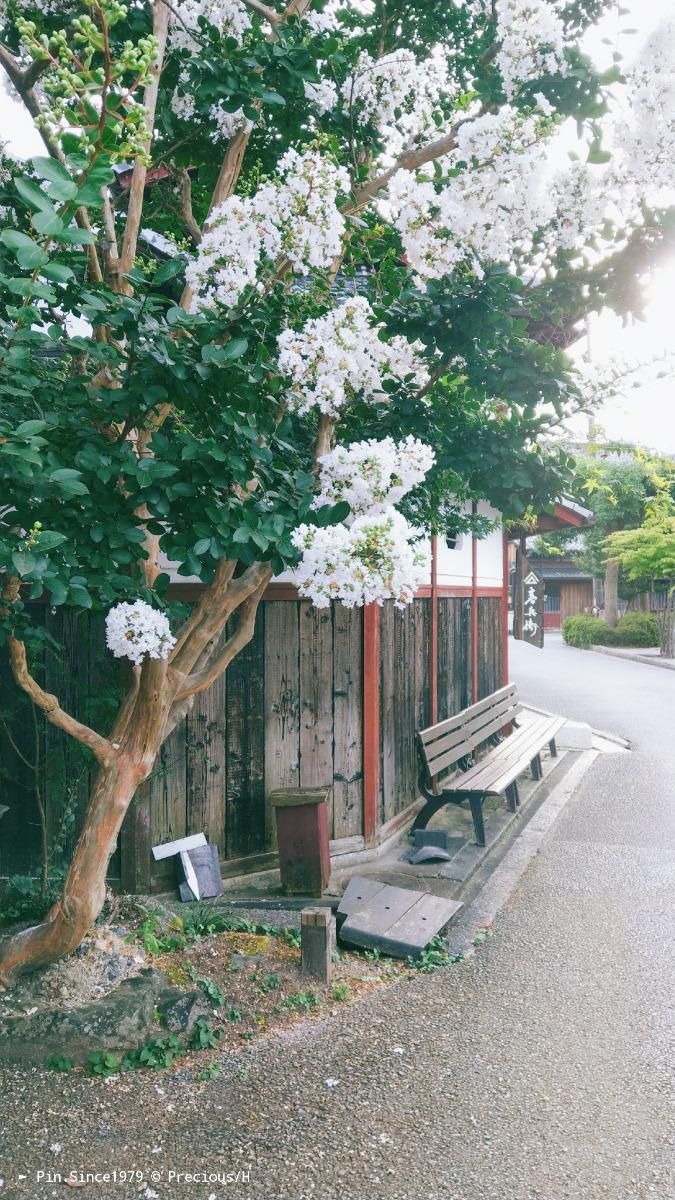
651,655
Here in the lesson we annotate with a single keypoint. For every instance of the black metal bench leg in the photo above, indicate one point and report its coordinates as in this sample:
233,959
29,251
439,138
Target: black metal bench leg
512,797
536,767
476,803
553,748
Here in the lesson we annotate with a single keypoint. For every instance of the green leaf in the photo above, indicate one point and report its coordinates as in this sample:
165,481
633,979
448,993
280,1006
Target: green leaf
49,540
58,273
30,257
76,237
29,428
51,169
80,595
201,547
33,195
14,240
168,270
23,562
63,189
47,222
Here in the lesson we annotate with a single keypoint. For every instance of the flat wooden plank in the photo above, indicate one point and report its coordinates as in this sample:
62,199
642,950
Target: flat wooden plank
519,747
316,696
473,732
245,695
359,891
347,721
469,744
206,765
466,715
164,799
414,930
399,921
282,702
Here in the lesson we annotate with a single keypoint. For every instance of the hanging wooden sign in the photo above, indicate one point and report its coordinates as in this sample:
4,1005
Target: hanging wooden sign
532,608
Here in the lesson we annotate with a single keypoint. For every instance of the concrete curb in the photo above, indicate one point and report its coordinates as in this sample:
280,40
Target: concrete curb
625,743
481,912
649,660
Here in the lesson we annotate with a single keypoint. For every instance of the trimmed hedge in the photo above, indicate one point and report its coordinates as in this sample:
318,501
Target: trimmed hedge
634,629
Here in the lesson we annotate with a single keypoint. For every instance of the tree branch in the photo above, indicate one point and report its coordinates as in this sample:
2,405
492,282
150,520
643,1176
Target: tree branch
217,605
202,680
101,747
160,28
412,160
263,10
186,206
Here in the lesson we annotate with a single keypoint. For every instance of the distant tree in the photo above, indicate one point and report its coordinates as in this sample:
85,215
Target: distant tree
649,553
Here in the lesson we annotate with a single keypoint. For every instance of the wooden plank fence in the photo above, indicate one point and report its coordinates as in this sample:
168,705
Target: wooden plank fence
289,712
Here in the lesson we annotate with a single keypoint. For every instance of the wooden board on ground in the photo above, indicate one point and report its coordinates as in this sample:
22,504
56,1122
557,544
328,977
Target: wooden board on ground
398,921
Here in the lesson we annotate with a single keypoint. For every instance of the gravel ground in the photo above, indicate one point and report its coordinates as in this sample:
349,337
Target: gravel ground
538,1069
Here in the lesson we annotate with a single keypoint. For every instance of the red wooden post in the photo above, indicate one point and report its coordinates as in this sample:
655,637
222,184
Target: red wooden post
505,610
371,719
433,635
474,610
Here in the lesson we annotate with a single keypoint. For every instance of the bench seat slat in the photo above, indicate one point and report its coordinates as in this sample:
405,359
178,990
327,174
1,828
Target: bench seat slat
450,755
473,731
514,755
460,719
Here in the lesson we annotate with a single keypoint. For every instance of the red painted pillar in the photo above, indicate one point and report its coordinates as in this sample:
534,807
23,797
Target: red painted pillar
433,636
474,609
505,610
371,720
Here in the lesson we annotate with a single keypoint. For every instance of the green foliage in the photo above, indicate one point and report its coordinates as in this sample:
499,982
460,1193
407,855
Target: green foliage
203,1036
298,1001
59,1062
434,956
103,1063
342,991
634,629
270,982
24,899
210,1072
212,991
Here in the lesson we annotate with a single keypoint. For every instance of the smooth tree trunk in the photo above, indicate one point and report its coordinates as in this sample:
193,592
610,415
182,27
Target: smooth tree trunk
612,592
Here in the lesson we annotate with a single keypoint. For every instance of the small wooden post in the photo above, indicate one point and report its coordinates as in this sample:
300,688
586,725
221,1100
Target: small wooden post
317,937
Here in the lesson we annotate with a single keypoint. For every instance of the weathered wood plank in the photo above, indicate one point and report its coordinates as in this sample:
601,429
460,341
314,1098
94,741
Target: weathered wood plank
348,721
282,703
245,706
316,696
206,761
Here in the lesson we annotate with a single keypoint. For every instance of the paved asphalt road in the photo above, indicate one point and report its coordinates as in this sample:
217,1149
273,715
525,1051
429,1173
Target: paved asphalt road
541,1068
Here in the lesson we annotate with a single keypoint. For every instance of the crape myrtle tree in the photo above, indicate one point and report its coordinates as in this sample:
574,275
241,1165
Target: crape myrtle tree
367,234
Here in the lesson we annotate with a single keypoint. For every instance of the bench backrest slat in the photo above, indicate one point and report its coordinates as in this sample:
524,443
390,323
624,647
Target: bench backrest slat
445,743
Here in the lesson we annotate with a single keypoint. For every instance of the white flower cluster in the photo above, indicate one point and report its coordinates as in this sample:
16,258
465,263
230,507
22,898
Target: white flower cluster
644,134
495,203
229,17
334,359
398,95
295,216
370,561
372,475
531,39
227,123
323,22
137,631
323,96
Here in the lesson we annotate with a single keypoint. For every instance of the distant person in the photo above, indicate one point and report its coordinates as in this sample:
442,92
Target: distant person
595,611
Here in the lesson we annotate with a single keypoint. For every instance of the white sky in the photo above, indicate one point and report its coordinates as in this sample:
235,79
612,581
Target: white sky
646,414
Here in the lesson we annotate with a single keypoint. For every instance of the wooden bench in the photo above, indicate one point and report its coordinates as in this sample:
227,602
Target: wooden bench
452,745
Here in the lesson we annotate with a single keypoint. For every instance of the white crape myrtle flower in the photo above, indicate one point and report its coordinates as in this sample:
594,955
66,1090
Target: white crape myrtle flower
338,357
397,94
531,39
372,475
295,215
643,139
481,214
227,123
323,96
137,631
229,17
370,561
